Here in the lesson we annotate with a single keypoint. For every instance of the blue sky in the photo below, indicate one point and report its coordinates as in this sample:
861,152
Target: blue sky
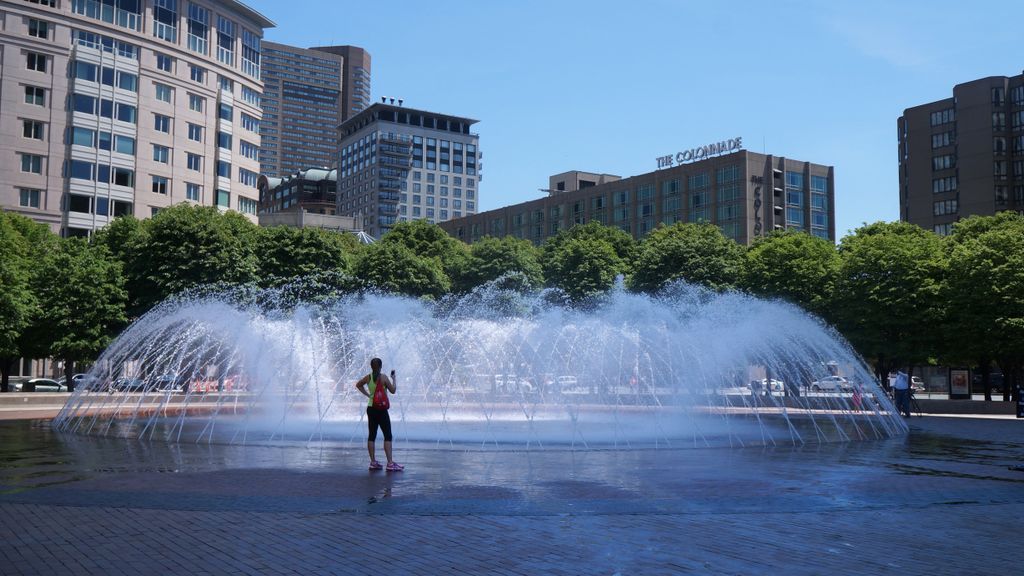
609,86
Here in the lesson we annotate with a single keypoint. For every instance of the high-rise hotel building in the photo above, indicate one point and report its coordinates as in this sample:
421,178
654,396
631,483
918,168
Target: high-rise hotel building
746,194
307,93
114,107
400,164
964,155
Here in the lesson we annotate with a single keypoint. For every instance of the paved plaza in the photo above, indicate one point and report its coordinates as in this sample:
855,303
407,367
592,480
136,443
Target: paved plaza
944,500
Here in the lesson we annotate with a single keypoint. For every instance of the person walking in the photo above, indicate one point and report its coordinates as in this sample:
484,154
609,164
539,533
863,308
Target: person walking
377,412
901,391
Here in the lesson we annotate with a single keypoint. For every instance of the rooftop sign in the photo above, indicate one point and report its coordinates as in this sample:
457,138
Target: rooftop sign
700,153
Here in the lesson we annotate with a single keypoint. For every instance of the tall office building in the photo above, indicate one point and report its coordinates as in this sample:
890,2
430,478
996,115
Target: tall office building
400,163
126,107
963,155
355,78
307,93
746,194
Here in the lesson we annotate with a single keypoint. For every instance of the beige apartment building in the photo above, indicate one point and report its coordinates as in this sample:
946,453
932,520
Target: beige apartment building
746,194
964,155
128,106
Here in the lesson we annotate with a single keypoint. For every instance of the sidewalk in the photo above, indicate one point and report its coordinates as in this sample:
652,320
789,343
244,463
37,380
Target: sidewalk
99,506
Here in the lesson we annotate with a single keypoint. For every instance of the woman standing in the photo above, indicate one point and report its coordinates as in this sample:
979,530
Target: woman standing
377,412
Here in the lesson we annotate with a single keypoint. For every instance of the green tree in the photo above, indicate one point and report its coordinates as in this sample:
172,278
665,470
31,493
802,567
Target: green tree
428,240
792,266
491,258
17,301
583,268
81,295
620,242
392,267
285,253
984,292
696,253
187,246
886,299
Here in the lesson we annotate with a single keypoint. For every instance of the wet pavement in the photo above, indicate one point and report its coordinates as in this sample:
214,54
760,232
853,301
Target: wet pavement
946,499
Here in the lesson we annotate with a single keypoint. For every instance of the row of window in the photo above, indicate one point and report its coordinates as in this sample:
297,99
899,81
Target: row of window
166,15
943,117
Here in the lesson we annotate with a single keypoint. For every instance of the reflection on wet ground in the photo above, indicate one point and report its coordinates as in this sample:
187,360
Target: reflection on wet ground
942,462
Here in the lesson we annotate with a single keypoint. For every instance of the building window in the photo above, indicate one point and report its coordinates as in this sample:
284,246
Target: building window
225,112
224,140
122,177
33,129
198,28
165,19
162,123
250,56
999,121
195,132
249,150
80,204
943,229
193,192
29,197
194,161
35,95
943,207
161,154
35,61
946,161
247,177
159,185
223,169
32,163
125,13
697,181
795,217
85,71
123,144
226,84
225,41
947,184
246,205
250,123
943,117
128,81
998,96
163,92
164,62
38,28
126,113
943,139
197,74
999,169
223,198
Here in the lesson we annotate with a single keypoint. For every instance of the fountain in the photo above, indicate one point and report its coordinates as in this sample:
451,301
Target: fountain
496,368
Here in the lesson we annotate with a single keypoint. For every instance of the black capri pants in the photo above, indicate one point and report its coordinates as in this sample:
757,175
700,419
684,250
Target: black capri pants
378,417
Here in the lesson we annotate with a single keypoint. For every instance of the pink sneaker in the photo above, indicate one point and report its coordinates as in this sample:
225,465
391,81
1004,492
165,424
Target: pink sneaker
374,465
395,467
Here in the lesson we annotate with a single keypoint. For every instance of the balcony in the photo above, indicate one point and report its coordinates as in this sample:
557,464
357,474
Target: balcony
389,196
387,209
389,184
394,138
395,149
389,161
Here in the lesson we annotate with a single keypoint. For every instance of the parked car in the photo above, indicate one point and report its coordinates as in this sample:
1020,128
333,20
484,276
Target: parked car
512,383
916,384
79,380
831,384
758,385
128,385
38,385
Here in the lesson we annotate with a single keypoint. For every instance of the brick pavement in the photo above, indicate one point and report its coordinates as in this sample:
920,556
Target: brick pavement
942,501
